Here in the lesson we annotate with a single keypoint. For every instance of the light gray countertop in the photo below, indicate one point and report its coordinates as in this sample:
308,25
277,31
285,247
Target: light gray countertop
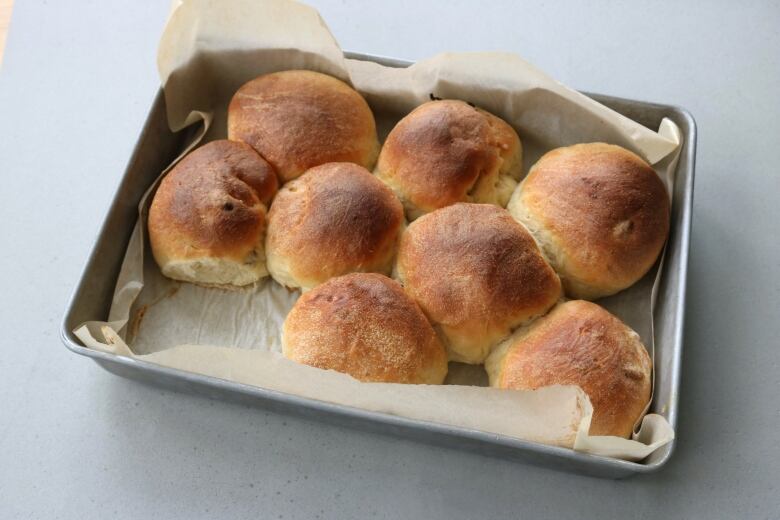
76,442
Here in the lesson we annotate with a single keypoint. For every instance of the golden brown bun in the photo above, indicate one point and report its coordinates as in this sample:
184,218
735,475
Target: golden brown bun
580,343
298,119
335,219
477,274
600,214
445,152
207,219
364,325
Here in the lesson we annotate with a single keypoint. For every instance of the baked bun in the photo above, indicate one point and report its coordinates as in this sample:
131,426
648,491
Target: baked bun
580,343
335,219
298,119
600,214
477,274
363,324
208,217
447,151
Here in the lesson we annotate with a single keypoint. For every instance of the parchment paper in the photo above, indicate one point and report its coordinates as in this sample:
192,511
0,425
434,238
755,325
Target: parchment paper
208,49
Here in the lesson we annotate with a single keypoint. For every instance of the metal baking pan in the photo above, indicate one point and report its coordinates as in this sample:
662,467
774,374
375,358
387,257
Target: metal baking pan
158,146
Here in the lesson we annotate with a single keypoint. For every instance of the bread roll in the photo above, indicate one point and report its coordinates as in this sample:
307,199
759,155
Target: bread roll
335,219
208,217
447,151
364,325
298,119
477,274
600,214
580,343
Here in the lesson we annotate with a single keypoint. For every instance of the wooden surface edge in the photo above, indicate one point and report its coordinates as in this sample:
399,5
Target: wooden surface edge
6,6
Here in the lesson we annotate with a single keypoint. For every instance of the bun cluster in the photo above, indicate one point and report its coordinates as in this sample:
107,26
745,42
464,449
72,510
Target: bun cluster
482,259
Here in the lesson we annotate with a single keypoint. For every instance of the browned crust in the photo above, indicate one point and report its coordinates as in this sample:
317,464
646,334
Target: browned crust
212,204
606,212
299,119
335,219
363,324
476,273
580,343
437,154
503,138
